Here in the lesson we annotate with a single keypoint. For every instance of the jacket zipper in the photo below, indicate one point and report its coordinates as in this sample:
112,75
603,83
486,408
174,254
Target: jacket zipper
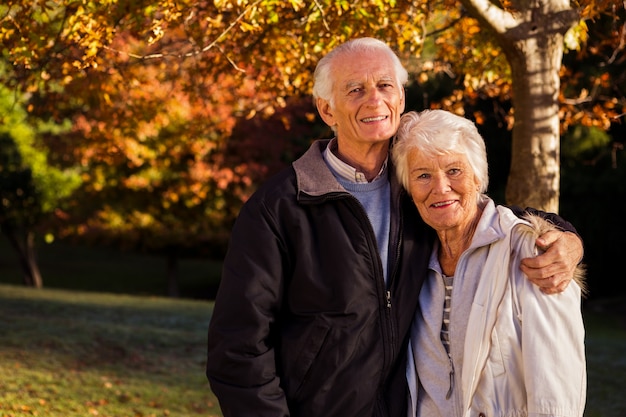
387,320
449,394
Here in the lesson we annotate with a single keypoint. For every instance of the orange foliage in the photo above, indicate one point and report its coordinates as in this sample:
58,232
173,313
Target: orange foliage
179,108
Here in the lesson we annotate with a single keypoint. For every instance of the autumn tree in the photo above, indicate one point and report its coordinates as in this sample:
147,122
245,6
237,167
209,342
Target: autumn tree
154,91
162,176
30,189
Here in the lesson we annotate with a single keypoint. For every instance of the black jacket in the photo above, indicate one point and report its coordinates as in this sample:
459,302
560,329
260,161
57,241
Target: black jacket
303,324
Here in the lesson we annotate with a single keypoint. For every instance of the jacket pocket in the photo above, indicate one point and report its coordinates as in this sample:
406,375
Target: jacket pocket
301,355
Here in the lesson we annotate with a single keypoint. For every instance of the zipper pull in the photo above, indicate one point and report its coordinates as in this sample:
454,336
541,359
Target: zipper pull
388,294
449,394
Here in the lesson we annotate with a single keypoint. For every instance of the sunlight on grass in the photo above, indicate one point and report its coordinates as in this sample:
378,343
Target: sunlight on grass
71,354
33,389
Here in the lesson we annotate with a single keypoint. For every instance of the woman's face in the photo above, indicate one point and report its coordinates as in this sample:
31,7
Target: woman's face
444,189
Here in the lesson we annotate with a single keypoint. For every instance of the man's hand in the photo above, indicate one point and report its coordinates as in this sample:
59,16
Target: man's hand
553,270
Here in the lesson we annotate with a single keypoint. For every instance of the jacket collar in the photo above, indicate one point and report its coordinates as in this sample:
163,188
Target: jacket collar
313,177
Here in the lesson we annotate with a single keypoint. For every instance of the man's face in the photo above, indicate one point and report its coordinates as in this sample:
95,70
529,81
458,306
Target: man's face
368,101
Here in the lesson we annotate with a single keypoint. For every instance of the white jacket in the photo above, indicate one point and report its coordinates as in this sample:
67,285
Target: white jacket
523,352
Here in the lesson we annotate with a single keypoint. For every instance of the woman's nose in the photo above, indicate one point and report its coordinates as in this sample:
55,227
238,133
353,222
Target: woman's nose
441,184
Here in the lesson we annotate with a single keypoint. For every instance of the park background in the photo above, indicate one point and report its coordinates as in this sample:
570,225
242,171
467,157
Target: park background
132,131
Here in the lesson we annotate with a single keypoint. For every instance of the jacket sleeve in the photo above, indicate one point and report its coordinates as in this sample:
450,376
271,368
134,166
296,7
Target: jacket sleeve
553,218
241,362
553,350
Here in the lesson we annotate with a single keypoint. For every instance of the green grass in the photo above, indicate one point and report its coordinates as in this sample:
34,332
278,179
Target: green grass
605,323
70,354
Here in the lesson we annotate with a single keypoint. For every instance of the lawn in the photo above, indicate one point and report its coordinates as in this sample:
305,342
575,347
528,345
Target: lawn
78,354
605,323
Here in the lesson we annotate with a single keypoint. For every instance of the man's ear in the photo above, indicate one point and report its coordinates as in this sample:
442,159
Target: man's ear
325,111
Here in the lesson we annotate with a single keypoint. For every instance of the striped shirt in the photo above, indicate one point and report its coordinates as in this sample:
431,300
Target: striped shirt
445,326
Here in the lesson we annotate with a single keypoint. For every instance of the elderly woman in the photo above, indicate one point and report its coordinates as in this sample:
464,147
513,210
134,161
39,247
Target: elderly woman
485,341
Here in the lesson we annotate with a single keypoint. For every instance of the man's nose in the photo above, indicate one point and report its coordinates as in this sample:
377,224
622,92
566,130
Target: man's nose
374,96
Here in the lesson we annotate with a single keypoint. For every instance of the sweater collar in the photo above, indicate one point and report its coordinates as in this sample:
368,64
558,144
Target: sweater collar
344,170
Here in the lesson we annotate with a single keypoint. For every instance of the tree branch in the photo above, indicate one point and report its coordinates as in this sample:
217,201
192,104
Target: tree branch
196,52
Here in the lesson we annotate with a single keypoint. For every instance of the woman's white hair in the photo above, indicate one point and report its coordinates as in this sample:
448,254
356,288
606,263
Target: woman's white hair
323,82
439,132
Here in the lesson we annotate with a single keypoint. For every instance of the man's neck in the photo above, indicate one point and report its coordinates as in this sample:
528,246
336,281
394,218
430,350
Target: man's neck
366,159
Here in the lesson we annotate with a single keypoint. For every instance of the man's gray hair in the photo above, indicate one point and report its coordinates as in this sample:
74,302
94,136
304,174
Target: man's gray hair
323,81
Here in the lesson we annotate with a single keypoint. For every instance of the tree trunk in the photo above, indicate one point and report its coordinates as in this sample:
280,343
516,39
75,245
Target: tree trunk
532,40
534,179
24,245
